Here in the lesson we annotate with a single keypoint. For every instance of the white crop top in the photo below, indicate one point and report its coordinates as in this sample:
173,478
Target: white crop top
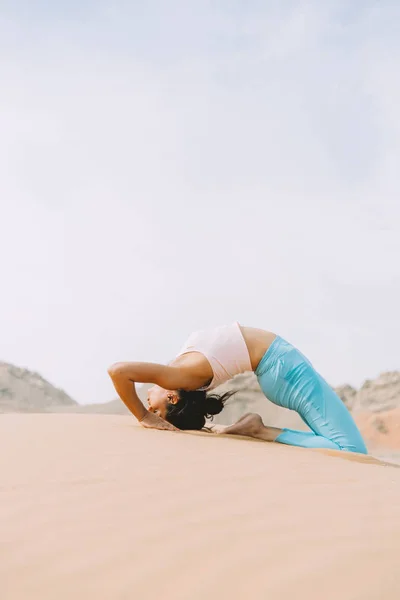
224,348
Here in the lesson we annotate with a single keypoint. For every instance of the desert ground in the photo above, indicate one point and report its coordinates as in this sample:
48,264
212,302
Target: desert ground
94,506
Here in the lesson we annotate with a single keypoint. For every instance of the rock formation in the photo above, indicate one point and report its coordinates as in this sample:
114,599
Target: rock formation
25,391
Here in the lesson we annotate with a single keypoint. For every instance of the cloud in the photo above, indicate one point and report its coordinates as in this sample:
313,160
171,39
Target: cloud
171,167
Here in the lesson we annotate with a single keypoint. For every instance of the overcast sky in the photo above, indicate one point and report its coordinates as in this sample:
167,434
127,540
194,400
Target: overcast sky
172,165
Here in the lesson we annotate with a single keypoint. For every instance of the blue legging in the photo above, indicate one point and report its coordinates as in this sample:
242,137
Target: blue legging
288,379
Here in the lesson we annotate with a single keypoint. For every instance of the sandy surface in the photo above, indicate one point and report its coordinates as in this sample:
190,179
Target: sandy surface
96,507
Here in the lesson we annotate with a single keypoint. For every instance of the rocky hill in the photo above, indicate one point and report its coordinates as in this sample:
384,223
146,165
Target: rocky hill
375,406
376,395
114,407
380,394
25,391
22,390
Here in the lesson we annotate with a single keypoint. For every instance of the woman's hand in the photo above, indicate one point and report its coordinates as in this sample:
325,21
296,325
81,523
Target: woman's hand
153,421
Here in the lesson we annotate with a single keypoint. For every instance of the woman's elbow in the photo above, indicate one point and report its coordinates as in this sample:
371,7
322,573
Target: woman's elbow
116,370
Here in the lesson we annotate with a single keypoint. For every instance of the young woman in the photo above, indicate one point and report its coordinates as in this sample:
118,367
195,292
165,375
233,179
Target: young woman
179,398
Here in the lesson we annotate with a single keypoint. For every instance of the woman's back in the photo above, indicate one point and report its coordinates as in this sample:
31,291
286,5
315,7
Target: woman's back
223,352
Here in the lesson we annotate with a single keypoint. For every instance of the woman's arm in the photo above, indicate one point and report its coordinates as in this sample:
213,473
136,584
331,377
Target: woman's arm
124,376
167,377
126,390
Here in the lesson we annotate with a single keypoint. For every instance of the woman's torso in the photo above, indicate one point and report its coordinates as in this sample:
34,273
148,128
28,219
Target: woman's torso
221,353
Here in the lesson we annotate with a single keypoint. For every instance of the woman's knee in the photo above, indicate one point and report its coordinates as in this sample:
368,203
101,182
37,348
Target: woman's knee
305,439
359,448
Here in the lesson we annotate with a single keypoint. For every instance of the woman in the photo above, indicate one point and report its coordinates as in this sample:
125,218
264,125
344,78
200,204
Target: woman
179,399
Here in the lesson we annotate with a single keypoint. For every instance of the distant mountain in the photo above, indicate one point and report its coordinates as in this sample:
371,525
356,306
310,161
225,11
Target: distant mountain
376,395
380,394
347,394
375,406
25,391
22,390
115,407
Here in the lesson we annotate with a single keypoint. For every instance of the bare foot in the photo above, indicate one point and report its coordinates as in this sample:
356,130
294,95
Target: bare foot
249,425
217,428
223,428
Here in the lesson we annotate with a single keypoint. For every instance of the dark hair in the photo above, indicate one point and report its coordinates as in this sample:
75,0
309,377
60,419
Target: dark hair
193,408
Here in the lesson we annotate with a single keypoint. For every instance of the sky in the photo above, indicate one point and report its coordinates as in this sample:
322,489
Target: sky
171,166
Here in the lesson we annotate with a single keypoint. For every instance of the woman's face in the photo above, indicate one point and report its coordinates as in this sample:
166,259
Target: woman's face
158,400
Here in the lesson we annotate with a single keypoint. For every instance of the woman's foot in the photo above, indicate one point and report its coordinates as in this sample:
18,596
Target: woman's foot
250,425
223,428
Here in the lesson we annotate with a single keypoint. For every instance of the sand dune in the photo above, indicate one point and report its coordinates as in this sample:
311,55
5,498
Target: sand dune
97,507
